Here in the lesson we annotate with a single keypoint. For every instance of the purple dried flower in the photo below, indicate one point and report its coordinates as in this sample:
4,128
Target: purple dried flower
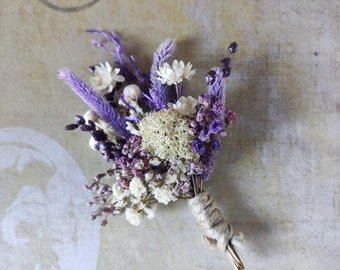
123,183
225,65
210,77
217,89
196,168
185,188
215,145
94,101
229,116
159,177
204,135
209,161
200,116
192,131
181,187
198,146
204,100
215,126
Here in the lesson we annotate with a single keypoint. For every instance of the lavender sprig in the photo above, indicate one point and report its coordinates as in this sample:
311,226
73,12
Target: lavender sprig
94,101
217,89
158,97
117,52
163,54
127,65
217,93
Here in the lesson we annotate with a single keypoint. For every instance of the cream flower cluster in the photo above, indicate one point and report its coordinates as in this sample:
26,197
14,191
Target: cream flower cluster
184,105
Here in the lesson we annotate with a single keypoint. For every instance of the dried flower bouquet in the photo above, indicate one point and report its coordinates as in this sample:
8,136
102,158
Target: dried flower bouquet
161,144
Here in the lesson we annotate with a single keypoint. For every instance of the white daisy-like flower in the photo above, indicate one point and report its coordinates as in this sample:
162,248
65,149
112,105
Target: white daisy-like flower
137,188
166,74
183,71
175,73
149,210
163,194
184,105
105,77
133,215
119,194
120,198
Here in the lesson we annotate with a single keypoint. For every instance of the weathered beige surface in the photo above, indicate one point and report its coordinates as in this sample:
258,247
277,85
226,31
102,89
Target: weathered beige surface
277,177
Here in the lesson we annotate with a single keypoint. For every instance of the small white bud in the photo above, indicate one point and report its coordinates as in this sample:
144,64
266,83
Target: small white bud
92,143
90,115
131,94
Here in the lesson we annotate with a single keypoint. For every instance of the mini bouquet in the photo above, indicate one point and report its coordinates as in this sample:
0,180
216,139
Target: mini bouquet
161,144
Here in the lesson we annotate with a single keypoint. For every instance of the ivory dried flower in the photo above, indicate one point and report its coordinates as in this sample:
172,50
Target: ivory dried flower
165,135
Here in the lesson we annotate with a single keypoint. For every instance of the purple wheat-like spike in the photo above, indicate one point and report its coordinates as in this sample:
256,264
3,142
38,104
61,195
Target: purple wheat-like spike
158,97
163,53
94,101
217,92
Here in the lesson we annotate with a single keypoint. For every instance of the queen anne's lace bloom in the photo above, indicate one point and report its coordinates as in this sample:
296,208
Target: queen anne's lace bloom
105,78
165,135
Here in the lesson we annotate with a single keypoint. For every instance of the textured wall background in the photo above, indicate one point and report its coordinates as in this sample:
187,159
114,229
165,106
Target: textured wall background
277,177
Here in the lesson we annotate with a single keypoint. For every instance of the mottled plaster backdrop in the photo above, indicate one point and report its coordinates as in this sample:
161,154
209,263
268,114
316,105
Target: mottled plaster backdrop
277,177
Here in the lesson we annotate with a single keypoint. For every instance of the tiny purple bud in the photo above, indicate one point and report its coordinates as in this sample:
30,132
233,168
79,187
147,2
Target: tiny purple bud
192,131
193,124
229,116
233,47
196,168
215,145
71,127
79,120
199,116
123,183
210,77
204,100
92,68
225,65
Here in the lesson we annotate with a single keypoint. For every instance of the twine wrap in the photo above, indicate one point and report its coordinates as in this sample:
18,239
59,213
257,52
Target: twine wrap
217,232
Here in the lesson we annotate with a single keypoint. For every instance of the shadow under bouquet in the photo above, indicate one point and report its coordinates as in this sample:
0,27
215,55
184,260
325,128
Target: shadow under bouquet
161,144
